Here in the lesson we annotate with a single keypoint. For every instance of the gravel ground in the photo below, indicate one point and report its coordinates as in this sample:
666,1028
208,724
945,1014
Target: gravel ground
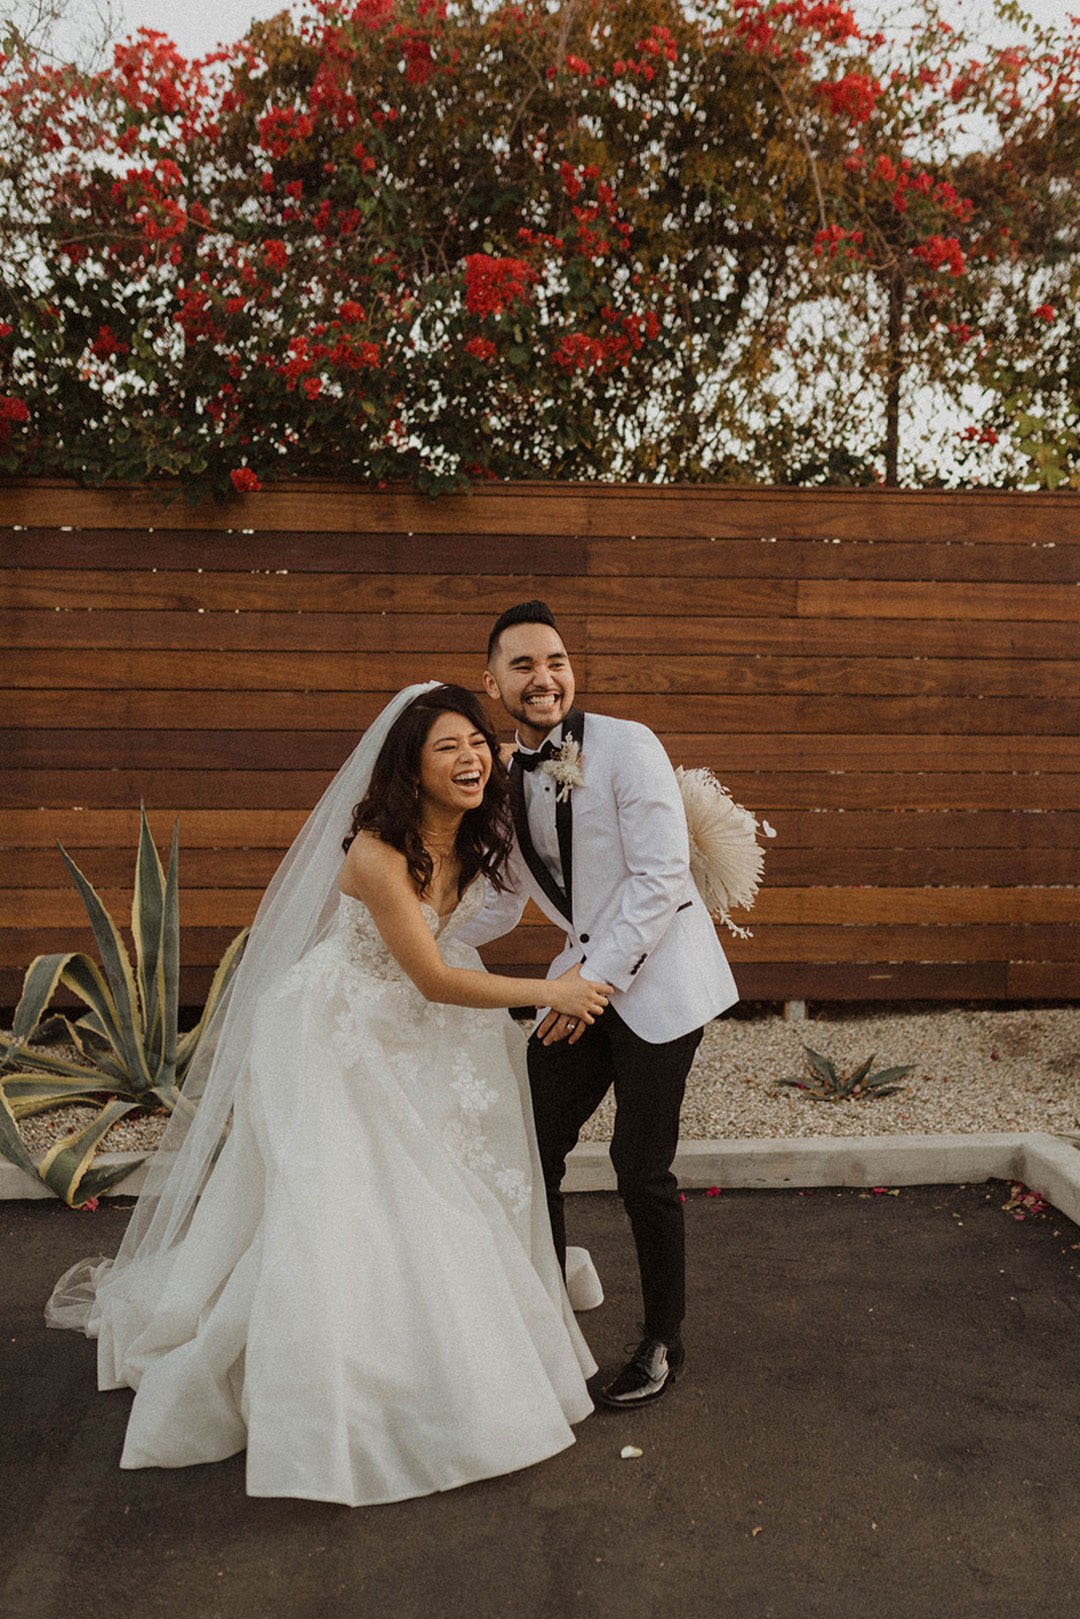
973,1070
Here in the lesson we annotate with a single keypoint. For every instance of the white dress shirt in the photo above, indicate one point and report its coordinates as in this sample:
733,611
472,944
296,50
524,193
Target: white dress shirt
540,793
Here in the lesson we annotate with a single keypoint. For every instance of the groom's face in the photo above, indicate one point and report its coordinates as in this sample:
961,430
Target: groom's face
531,676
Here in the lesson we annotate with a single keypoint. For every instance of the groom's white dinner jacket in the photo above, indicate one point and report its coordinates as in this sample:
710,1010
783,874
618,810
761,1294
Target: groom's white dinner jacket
631,910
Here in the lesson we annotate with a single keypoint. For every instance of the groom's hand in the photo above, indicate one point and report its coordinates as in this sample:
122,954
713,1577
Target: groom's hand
557,1026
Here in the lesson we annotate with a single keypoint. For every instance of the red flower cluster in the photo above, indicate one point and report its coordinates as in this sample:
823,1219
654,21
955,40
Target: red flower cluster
1045,312
244,480
275,254
11,411
834,239
941,252
577,351
492,285
761,24
945,195
979,435
481,348
281,128
106,344
853,97
660,42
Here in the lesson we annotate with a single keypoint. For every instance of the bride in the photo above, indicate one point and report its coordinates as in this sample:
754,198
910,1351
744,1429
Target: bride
341,1260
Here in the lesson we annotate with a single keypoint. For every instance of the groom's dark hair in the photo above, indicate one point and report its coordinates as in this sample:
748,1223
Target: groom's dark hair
534,612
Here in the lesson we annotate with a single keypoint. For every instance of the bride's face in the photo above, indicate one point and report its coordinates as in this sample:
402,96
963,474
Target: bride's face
455,763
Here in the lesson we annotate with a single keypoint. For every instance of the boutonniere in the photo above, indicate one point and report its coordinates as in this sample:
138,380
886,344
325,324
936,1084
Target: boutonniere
565,768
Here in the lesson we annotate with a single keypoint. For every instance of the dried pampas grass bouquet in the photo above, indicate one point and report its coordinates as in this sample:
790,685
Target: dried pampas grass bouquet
726,860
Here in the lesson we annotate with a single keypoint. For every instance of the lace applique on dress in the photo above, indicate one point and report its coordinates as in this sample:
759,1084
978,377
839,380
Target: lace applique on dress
469,1042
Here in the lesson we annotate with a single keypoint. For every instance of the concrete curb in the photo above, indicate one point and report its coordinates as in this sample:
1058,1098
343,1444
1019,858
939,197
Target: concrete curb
1044,1162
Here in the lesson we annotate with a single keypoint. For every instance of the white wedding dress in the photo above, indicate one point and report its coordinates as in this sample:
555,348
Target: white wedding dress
367,1298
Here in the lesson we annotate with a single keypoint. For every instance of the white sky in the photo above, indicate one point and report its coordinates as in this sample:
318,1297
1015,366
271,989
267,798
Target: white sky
196,26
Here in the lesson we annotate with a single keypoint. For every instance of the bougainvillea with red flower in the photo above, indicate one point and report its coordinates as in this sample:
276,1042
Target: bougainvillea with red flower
380,239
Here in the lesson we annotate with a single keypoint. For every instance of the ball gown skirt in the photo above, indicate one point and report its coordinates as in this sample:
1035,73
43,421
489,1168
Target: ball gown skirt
367,1298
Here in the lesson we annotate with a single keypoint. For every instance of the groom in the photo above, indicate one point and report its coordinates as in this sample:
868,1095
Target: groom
602,848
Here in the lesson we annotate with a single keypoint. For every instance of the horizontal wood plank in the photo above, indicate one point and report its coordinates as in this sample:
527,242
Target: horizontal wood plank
423,593
430,635
662,511
990,942
892,836
196,788
239,866
779,981
234,906
599,675
268,750
345,713
556,555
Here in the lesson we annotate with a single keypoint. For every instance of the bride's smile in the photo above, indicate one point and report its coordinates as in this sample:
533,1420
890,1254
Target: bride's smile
455,764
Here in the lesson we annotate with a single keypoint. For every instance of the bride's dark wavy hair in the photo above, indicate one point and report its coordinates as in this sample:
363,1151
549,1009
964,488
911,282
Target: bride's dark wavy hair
391,806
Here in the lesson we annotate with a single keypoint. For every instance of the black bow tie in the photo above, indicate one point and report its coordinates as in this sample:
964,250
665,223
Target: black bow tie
529,761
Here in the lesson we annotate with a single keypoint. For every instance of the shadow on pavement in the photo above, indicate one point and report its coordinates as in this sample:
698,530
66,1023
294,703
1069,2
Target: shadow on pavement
880,1416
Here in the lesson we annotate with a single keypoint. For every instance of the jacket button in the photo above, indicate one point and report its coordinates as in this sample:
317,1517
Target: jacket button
584,937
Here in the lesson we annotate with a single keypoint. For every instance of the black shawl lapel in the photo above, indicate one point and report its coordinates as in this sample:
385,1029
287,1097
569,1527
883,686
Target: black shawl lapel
521,824
573,727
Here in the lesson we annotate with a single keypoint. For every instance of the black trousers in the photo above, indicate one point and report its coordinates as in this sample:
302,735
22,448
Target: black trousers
568,1084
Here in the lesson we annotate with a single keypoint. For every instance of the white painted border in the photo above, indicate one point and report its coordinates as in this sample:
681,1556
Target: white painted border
1044,1162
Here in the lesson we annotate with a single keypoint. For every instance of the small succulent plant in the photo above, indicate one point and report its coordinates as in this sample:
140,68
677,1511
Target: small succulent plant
822,1081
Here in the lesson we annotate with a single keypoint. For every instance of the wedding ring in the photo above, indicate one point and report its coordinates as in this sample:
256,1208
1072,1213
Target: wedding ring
571,1022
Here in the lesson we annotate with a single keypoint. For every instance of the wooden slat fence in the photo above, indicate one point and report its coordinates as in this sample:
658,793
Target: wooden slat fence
892,678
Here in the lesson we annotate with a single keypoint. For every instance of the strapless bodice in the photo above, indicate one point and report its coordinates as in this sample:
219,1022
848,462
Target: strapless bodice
362,943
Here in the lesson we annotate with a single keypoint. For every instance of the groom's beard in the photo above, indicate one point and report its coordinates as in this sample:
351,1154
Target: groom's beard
541,722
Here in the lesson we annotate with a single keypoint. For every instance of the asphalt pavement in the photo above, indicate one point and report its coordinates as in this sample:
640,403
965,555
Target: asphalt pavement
880,1416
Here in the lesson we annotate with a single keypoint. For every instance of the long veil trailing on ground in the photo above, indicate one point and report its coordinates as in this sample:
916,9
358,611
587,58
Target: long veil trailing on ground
295,912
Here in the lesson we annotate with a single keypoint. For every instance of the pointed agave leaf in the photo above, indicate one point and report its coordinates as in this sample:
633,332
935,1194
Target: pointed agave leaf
188,1043
117,966
34,1062
68,1159
886,1074
169,967
85,978
28,1094
96,1052
39,985
12,1145
96,1182
147,911
859,1074
821,1066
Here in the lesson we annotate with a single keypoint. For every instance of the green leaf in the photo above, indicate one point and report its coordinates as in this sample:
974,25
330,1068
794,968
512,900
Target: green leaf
32,1093
118,971
892,1073
170,964
821,1066
39,986
101,1178
147,910
188,1043
858,1074
12,1145
68,1159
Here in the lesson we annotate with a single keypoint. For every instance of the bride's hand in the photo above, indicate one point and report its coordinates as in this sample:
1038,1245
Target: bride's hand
577,999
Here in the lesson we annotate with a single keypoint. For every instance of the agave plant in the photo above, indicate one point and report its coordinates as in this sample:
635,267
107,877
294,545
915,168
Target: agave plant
129,1054
823,1083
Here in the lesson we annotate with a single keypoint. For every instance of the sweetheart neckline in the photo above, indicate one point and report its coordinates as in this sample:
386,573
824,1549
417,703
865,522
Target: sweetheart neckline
440,916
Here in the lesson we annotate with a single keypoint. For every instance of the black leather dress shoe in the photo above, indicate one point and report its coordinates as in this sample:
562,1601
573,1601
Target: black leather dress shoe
653,1368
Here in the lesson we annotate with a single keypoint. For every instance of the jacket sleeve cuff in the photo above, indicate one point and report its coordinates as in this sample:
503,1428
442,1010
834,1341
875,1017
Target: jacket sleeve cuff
599,970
